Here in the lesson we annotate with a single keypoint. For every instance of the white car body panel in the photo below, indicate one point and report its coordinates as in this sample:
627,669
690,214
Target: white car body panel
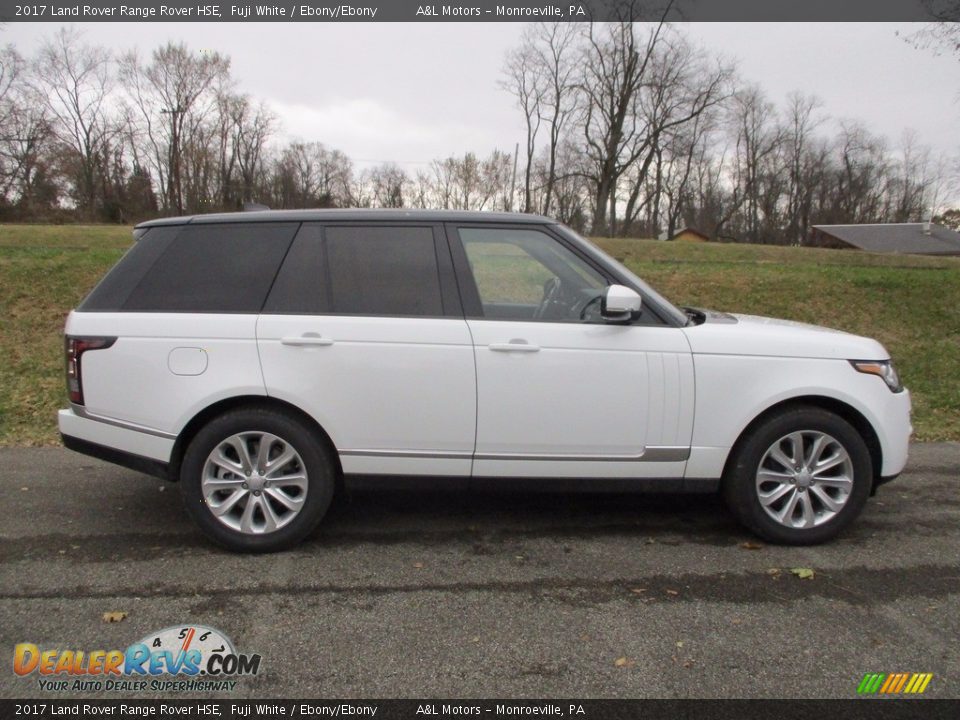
385,390
537,416
132,381
738,378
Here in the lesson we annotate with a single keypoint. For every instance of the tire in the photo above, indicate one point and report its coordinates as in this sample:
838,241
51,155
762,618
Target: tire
263,502
827,492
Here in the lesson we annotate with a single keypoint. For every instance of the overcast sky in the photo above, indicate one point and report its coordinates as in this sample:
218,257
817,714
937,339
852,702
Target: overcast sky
409,92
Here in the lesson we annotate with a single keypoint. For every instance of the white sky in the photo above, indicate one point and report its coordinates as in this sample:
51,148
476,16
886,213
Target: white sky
408,92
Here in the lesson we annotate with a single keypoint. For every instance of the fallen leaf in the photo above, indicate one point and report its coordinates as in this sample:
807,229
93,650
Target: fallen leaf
773,571
748,545
638,591
673,592
622,662
418,566
803,573
475,639
519,557
24,489
679,643
688,664
112,617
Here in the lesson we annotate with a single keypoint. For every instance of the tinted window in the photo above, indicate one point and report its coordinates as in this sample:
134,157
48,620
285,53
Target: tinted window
112,292
383,270
214,268
301,287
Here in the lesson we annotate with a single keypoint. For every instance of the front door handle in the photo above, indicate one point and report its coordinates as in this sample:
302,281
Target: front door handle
307,340
515,345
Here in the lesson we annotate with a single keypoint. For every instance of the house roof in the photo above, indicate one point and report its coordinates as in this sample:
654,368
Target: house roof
692,231
897,238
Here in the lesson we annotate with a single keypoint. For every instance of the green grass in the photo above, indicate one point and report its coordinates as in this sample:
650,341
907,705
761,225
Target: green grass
911,304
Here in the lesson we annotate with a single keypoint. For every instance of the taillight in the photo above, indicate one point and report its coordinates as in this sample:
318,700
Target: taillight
75,348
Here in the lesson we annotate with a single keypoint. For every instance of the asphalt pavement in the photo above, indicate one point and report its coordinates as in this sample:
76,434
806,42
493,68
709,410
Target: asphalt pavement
420,594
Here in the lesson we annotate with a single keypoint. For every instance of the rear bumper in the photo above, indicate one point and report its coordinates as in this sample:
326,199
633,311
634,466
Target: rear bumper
111,441
118,457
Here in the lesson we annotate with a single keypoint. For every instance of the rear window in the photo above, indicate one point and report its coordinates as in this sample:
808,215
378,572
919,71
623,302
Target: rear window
112,292
214,268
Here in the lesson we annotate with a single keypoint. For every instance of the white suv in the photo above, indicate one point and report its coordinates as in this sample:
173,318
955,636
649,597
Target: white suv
260,358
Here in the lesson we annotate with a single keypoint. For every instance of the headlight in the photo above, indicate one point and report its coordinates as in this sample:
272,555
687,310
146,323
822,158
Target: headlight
881,368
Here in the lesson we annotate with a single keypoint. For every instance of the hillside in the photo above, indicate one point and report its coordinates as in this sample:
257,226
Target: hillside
911,304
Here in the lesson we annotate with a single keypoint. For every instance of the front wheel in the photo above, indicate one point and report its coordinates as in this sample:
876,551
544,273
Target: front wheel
800,477
256,480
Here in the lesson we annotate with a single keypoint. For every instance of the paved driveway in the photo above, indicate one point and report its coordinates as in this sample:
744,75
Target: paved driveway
420,594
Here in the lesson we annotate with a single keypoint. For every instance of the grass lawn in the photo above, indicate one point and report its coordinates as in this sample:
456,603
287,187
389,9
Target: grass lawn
911,304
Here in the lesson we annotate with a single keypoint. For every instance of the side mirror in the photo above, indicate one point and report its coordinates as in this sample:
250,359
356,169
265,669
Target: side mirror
620,304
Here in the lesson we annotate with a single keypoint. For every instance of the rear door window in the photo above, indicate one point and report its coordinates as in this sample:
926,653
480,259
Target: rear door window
384,270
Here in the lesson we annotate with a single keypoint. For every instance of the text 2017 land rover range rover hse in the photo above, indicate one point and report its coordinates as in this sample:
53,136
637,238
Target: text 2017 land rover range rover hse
258,358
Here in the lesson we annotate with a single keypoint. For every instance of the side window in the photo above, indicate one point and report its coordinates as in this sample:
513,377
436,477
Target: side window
383,270
214,268
528,275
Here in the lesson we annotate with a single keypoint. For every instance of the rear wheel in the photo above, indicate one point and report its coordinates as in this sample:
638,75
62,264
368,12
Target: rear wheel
257,480
800,477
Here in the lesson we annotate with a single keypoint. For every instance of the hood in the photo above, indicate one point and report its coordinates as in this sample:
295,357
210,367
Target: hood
723,334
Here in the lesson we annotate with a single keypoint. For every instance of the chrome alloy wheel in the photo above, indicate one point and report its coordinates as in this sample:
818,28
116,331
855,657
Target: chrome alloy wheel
254,482
804,479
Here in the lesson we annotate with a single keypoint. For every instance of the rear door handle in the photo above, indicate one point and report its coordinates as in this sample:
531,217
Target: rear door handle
515,345
307,340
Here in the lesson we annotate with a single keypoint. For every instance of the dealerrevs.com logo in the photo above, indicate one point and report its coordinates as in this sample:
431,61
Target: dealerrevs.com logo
183,658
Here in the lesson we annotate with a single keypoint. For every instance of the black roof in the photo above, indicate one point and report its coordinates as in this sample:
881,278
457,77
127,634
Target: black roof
913,238
353,214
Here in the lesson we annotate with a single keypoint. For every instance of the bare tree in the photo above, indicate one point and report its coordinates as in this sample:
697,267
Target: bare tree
614,65
172,95
74,81
758,139
389,184
682,85
24,134
555,52
801,122
524,79
310,175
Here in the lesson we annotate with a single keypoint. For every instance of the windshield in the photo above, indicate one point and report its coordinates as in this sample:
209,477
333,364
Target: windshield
645,290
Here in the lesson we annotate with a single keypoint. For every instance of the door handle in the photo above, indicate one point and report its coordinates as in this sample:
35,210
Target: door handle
307,340
515,345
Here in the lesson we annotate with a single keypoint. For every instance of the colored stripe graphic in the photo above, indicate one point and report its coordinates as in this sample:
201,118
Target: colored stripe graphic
894,683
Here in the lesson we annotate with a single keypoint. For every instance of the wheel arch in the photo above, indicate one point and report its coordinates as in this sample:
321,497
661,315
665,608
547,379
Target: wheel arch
837,407
220,407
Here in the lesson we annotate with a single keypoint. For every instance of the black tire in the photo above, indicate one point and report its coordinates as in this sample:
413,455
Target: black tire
306,442
740,488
